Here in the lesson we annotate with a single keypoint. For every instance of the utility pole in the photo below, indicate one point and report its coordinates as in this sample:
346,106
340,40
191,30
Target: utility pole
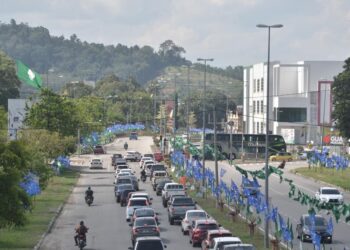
204,94
215,152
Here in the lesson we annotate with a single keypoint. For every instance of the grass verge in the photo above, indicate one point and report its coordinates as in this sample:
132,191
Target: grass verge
45,206
338,178
238,227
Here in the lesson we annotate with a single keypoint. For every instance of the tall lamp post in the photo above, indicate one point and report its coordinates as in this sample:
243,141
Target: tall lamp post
205,60
268,27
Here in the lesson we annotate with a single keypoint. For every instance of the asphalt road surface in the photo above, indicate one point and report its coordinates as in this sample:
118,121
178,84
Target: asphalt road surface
106,219
108,228
278,193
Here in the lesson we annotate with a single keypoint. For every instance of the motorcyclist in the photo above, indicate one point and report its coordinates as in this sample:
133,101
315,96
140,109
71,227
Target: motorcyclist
125,145
89,193
143,174
282,165
80,230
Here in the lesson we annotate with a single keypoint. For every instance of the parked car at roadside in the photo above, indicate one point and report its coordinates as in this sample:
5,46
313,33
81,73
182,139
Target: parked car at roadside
178,207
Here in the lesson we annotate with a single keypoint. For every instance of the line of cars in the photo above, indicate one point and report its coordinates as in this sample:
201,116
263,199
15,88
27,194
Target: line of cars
203,230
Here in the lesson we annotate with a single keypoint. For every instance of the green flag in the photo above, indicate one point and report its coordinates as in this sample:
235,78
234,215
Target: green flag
27,75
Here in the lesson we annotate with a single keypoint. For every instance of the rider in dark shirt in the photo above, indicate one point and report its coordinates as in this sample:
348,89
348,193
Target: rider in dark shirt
81,229
89,193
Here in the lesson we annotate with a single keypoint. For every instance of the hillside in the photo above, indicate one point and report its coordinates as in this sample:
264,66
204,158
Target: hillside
61,60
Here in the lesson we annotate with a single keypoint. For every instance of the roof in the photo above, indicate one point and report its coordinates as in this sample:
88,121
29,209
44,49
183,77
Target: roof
195,210
206,221
226,239
138,199
329,188
148,238
217,231
137,193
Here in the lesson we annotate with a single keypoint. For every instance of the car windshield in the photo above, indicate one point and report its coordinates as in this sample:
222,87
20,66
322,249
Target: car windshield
149,245
319,221
137,202
122,167
208,226
330,191
144,213
196,215
145,222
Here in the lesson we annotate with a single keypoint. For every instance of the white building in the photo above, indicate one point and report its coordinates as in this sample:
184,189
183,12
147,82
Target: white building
16,115
300,99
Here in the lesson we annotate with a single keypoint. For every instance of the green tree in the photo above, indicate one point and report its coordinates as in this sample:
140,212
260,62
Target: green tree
14,162
341,100
76,90
9,83
54,113
3,125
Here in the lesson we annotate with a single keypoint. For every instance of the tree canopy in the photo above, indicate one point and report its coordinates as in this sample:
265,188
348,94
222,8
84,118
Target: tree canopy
341,100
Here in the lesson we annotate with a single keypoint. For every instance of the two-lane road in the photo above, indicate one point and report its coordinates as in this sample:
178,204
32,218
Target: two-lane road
105,218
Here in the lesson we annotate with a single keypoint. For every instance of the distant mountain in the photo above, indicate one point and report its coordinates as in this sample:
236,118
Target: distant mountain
72,59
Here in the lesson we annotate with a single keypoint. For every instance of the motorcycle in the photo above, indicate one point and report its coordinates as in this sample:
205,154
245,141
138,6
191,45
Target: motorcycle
126,146
143,178
89,200
81,242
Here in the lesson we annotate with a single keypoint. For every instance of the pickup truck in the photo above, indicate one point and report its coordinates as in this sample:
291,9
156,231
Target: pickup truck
158,175
171,189
178,207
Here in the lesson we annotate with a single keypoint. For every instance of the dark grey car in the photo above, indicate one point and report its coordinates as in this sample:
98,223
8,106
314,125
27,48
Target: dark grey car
144,226
304,228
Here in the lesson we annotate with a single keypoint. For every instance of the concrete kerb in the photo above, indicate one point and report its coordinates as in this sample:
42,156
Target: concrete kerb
51,224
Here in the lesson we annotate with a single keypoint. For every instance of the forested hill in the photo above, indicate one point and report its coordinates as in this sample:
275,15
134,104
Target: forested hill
80,60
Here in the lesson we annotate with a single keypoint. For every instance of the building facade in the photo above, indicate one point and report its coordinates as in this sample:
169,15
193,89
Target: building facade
300,100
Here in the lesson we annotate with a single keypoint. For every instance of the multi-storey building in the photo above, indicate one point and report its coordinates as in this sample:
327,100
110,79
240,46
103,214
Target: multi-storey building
300,100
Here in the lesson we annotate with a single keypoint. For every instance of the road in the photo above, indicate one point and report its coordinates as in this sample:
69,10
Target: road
105,218
288,207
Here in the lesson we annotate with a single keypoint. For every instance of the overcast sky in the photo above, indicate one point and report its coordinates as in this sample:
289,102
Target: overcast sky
221,29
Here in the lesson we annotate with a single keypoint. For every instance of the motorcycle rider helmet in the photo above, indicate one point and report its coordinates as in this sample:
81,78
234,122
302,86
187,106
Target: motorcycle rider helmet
89,188
81,223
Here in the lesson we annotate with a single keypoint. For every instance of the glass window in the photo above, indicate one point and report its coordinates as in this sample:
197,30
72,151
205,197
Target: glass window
290,114
254,86
253,106
262,84
261,127
257,107
262,106
258,85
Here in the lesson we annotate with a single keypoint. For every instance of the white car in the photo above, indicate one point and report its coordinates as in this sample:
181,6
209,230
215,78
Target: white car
329,195
190,216
133,204
132,156
143,159
220,242
142,195
96,164
147,162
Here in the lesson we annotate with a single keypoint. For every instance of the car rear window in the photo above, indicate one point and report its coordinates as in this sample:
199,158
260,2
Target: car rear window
121,181
209,226
330,191
144,213
175,186
197,215
158,167
145,222
122,167
138,203
216,235
124,187
183,201
149,245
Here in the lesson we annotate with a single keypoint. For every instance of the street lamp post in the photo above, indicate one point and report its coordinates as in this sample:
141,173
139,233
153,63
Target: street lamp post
267,127
231,124
205,60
